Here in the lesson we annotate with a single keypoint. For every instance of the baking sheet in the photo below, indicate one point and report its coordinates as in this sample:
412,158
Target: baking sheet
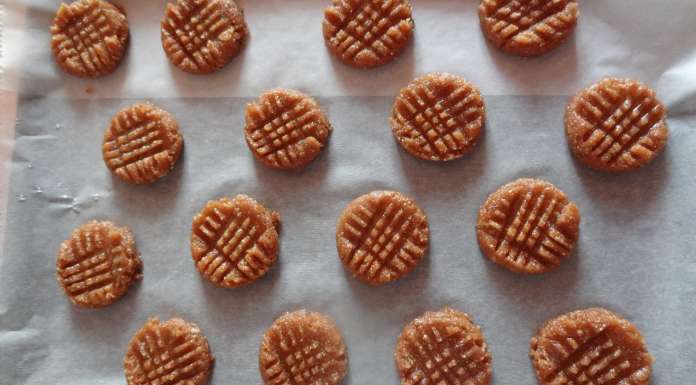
634,256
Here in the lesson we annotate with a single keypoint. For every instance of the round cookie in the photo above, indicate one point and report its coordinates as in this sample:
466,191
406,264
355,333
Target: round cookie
89,37
616,125
98,264
381,236
201,36
171,352
528,226
285,129
591,346
302,348
367,33
142,144
445,348
234,241
528,27
438,117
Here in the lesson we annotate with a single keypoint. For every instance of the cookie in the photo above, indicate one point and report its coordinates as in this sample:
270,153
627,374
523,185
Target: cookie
591,346
172,352
438,117
444,348
367,33
201,36
98,264
234,241
142,144
616,125
285,129
381,236
302,348
528,226
89,37
528,27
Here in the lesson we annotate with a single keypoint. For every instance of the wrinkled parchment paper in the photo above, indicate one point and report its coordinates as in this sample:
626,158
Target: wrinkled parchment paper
635,253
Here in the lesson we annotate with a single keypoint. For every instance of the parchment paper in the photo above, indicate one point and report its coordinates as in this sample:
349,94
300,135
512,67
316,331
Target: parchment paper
634,256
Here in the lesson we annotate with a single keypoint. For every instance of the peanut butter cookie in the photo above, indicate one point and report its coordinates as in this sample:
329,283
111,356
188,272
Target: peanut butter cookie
528,226
438,117
367,33
286,129
142,144
381,236
89,37
444,348
528,27
98,264
201,36
302,348
591,346
234,241
616,125
172,352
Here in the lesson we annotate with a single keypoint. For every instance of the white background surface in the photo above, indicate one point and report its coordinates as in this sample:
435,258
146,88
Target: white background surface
635,254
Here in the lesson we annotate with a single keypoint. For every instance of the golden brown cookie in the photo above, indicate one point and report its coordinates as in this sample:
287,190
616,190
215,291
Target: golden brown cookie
98,264
201,36
616,125
234,241
142,144
367,33
302,348
528,226
528,27
591,346
173,352
438,117
444,348
89,37
381,236
285,129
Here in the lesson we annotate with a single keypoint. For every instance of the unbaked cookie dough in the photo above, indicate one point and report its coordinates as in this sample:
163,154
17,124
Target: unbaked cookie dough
445,348
142,144
381,236
303,348
616,125
438,116
367,33
528,27
89,37
201,36
98,264
286,129
528,226
234,241
591,346
172,352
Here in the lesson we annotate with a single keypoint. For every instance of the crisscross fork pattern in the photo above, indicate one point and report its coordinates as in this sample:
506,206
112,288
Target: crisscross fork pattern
201,35
169,353
621,120
368,32
142,143
445,357
443,121
302,348
382,238
593,356
230,239
84,39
